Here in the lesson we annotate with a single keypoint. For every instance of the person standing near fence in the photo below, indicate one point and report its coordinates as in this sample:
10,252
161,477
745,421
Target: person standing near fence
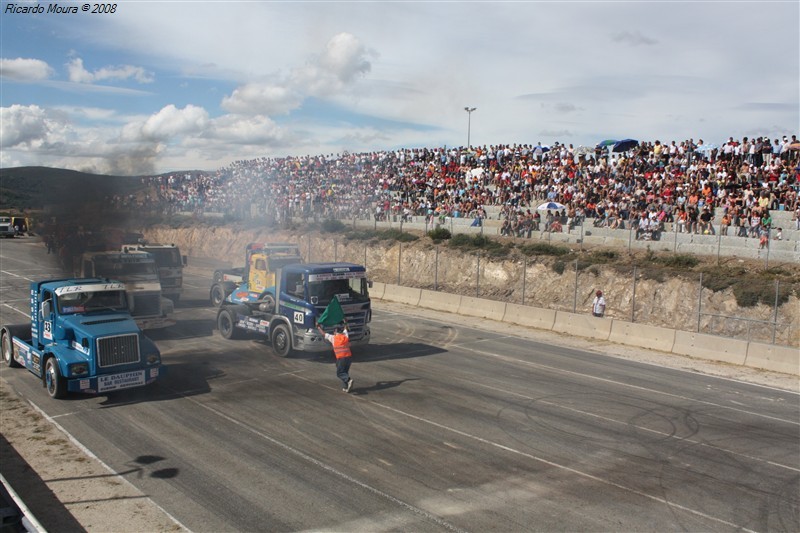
599,304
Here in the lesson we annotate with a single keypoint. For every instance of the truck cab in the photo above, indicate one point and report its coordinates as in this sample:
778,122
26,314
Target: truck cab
81,338
287,312
7,228
138,271
169,262
258,276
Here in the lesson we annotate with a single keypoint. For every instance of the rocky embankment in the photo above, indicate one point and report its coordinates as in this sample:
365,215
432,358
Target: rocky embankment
661,299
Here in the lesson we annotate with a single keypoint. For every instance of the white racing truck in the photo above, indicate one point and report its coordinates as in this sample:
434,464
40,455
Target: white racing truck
139,273
170,265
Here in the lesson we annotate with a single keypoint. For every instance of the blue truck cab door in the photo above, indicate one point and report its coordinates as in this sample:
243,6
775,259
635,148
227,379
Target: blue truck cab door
45,315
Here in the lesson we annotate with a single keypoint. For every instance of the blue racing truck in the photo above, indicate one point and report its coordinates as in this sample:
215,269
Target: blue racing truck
286,310
81,338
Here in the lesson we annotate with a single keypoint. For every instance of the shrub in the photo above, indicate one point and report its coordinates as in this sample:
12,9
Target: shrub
543,248
558,267
440,234
332,226
684,261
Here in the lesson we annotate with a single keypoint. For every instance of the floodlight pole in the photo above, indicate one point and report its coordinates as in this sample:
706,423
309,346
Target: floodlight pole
469,111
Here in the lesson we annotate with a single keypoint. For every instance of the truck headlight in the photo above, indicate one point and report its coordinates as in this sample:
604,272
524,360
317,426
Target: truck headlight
78,369
153,358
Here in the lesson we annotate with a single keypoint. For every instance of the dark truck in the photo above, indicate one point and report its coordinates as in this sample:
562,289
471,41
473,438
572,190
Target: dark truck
81,338
286,312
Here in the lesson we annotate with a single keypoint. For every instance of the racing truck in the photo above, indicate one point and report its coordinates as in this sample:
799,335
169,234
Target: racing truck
262,260
81,338
170,265
138,271
286,312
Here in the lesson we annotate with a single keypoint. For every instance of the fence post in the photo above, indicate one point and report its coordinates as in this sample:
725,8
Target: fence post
575,295
582,221
775,312
478,277
633,299
365,256
524,274
399,260
719,243
436,270
700,302
309,249
335,251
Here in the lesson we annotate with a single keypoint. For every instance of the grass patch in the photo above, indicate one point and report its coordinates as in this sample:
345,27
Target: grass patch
478,243
543,248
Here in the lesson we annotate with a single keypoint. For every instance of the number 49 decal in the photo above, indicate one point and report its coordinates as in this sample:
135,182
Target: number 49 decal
299,318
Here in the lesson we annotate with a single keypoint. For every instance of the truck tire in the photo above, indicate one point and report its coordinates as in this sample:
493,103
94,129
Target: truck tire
8,349
226,323
53,381
217,294
282,340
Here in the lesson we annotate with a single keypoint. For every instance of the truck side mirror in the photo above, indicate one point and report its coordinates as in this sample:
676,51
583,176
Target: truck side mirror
185,260
369,283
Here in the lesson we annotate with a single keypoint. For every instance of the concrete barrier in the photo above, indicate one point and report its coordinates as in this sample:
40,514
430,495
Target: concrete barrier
642,335
403,295
776,358
582,325
491,309
440,301
377,290
710,347
532,317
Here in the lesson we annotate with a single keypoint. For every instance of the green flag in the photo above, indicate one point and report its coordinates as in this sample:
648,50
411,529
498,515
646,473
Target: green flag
332,315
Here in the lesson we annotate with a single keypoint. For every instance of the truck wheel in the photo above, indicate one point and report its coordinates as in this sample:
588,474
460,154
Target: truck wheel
226,322
282,340
217,294
56,387
8,350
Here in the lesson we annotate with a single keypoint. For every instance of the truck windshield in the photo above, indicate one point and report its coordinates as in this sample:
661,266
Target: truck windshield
352,290
85,302
165,257
109,269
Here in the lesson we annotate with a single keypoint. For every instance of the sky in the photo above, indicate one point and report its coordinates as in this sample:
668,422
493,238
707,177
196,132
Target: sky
161,86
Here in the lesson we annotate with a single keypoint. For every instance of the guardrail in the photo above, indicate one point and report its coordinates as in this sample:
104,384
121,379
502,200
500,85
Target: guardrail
783,359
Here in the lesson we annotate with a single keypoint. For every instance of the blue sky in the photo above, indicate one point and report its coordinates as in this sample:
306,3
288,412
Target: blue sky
162,86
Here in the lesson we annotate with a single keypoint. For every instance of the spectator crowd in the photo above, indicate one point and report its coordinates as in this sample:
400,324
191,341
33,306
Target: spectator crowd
640,189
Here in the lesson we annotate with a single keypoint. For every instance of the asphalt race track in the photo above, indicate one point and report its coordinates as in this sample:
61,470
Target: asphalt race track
448,427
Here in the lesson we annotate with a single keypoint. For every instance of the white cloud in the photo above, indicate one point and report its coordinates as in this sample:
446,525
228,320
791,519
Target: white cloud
26,126
169,122
78,73
262,98
324,76
21,69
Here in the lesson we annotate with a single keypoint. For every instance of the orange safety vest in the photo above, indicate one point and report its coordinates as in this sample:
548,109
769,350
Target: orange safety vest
341,346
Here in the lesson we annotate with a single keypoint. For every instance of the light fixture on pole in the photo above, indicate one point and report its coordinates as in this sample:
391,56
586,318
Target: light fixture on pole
469,111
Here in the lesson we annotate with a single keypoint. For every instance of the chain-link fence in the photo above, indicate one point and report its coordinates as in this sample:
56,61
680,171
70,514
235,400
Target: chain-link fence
746,308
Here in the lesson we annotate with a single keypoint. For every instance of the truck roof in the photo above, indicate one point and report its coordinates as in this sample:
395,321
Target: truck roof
316,268
132,256
54,284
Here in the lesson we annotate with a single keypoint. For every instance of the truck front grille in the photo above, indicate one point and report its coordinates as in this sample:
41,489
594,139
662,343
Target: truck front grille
119,350
146,305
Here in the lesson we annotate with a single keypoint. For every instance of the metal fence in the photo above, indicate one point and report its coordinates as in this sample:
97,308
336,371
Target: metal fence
741,309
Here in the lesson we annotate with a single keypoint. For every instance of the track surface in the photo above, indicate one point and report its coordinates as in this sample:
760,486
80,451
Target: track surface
449,427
